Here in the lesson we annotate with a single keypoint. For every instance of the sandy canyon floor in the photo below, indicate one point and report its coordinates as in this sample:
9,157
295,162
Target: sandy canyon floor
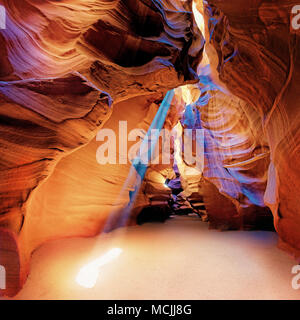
179,259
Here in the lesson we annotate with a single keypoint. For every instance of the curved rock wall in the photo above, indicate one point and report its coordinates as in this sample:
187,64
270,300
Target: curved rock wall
69,68
64,67
127,47
256,55
237,158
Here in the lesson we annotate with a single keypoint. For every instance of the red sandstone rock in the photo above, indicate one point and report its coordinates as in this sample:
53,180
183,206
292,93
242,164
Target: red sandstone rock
69,68
64,67
257,58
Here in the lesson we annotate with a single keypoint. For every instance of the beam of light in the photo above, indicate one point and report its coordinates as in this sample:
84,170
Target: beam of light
138,163
199,17
88,275
139,166
157,125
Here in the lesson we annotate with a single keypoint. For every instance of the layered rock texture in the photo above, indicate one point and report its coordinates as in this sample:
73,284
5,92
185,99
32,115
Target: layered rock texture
255,53
70,68
65,66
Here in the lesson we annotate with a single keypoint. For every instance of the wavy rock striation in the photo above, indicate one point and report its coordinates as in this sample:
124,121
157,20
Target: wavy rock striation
255,53
64,67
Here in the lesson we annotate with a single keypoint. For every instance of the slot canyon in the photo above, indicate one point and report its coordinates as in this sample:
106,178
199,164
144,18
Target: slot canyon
206,91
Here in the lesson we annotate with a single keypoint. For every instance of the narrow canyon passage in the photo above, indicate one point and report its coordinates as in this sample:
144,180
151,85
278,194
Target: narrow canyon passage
115,111
178,259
